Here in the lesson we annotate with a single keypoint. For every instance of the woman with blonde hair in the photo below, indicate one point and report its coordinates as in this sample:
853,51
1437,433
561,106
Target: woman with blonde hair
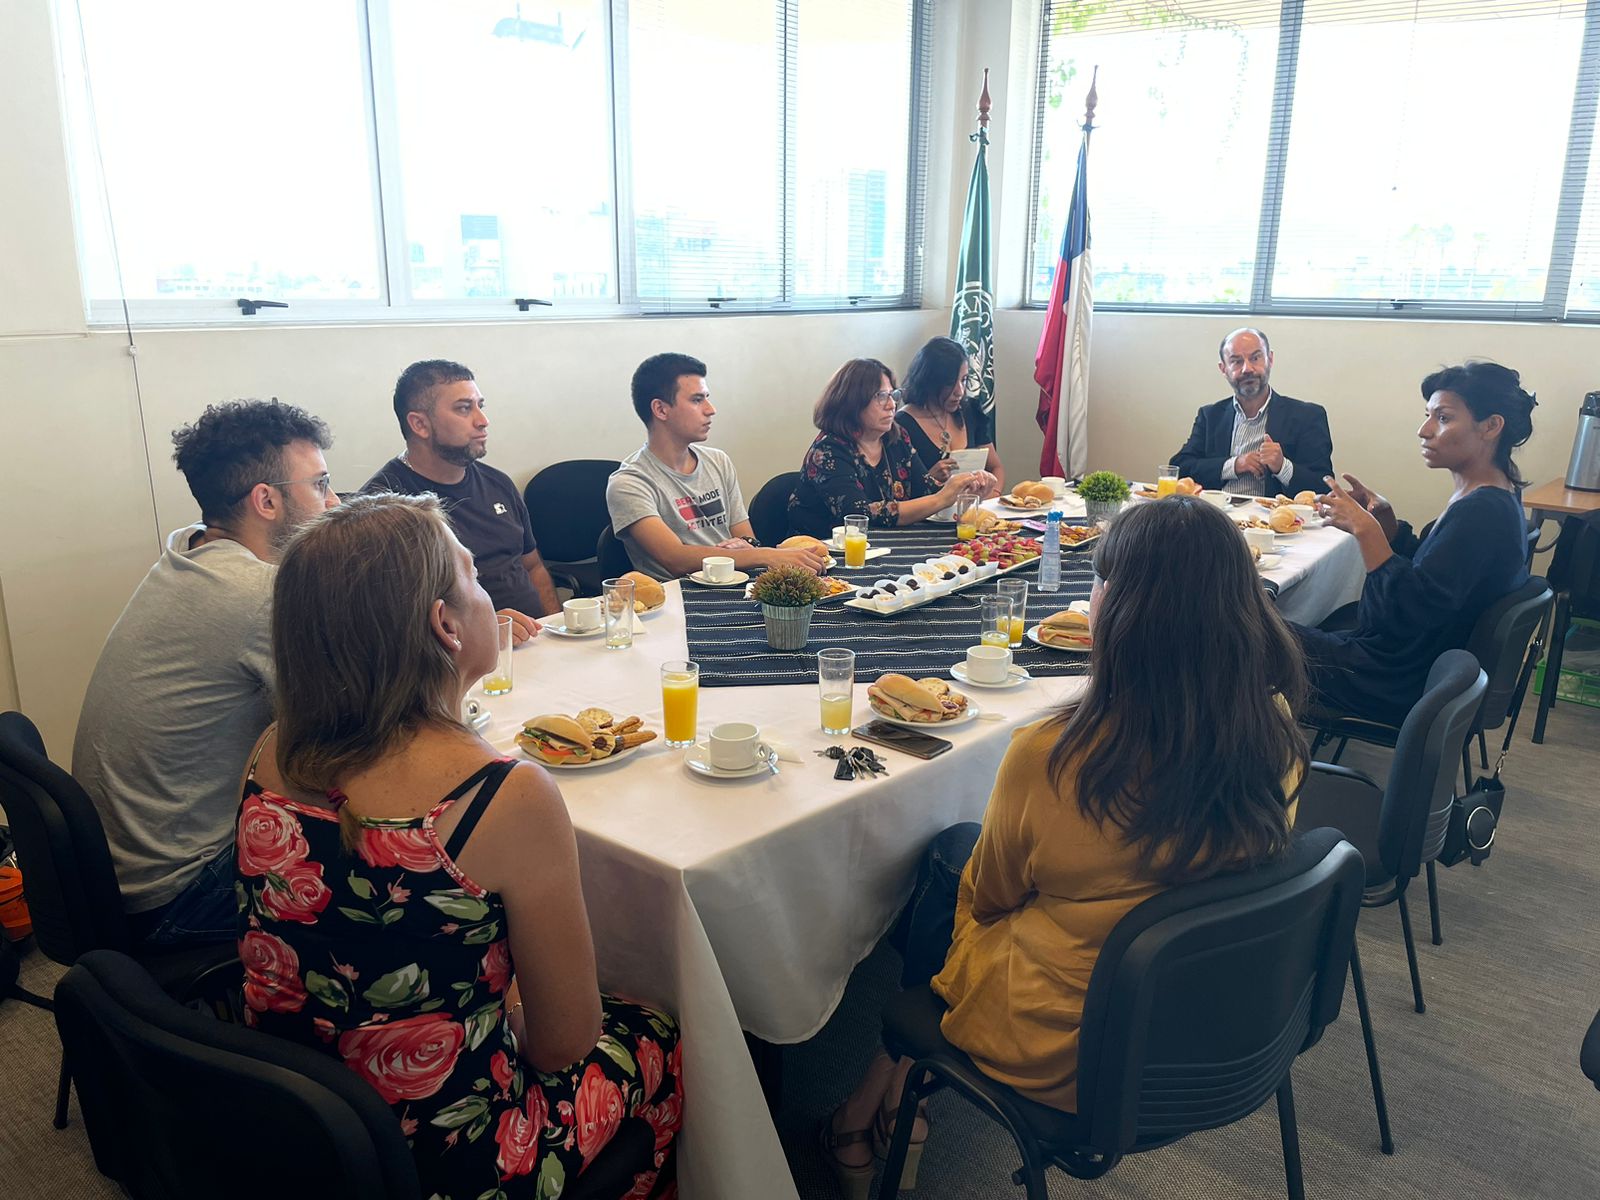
438,946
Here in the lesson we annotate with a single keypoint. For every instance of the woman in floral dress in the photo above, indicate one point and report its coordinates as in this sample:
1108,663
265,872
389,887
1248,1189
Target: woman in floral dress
862,461
410,902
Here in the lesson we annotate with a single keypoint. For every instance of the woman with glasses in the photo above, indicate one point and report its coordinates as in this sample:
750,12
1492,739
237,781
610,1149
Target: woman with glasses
938,415
863,461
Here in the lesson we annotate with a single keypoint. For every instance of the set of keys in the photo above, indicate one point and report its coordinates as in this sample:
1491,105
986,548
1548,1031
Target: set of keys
858,762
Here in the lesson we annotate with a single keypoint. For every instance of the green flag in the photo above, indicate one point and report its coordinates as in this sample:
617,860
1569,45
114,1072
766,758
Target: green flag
972,318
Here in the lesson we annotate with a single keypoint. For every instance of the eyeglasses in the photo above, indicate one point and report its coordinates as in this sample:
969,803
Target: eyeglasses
888,397
320,483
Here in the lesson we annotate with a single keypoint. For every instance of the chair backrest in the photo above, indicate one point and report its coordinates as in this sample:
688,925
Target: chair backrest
567,507
179,1104
769,511
1500,642
1415,813
612,555
1203,995
67,873
1575,566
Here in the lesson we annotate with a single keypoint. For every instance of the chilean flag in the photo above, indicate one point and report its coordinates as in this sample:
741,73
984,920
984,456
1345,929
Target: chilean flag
1061,366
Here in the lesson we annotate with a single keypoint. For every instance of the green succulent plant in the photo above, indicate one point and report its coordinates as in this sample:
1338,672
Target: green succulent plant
1103,486
786,587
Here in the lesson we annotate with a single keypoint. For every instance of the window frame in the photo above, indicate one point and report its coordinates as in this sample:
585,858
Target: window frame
1564,239
395,304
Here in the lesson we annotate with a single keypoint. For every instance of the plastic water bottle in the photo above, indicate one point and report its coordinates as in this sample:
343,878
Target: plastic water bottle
1050,559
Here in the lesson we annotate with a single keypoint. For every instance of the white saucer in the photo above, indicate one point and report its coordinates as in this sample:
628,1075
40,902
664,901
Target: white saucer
625,752
1267,561
971,714
734,580
1016,676
697,759
562,630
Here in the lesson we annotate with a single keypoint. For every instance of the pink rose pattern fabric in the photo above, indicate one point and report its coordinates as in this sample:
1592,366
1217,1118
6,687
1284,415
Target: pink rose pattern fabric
387,960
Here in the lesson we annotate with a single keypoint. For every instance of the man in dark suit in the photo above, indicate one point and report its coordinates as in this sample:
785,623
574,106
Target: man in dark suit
1256,442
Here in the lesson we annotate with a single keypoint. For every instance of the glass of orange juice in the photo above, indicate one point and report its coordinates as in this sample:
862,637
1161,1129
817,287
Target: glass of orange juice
855,539
1015,590
680,701
498,681
966,514
836,678
1166,481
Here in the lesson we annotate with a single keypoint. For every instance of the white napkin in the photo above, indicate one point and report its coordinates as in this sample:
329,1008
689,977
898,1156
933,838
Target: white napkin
784,751
985,714
638,626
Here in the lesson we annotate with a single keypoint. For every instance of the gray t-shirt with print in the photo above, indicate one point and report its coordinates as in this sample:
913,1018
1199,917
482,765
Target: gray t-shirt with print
700,509
182,691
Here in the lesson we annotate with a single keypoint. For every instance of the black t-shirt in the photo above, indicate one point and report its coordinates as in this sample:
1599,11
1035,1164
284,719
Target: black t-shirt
490,519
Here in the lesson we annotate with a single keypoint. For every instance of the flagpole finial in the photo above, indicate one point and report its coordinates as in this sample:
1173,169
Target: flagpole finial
984,103
1091,100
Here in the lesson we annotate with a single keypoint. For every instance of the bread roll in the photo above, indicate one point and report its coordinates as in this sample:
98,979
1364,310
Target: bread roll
801,541
1305,497
1030,490
647,593
1283,521
1066,628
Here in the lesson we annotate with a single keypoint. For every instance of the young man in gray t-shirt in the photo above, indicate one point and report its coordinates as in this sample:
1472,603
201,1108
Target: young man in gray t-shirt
674,501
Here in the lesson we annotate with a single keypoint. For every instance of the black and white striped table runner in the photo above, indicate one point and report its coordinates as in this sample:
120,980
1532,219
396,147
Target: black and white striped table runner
727,636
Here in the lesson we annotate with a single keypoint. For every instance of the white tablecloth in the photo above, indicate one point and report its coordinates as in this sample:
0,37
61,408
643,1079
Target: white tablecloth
744,905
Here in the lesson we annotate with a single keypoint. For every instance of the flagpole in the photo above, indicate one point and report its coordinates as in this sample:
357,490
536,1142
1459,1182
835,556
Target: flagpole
972,308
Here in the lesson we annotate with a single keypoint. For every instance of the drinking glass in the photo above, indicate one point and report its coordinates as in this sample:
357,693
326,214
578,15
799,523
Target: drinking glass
680,702
966,513
1015,590
855,539
836,678
995,626
498,681
617,602
1166,481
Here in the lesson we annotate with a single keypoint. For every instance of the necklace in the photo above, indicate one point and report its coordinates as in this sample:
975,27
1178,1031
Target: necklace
944,432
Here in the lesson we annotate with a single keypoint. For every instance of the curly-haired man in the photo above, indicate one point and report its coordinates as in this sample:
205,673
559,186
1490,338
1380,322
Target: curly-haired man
183,687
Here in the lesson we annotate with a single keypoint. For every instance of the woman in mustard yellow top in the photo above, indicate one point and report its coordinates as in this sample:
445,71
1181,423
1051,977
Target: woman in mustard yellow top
1183,759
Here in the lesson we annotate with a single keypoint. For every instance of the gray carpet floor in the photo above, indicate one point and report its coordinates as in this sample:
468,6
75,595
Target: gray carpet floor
1484,1090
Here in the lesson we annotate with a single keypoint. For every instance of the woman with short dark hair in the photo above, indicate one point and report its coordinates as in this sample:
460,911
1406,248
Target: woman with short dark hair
862,461
440,948
939,415
1423,596
1182,760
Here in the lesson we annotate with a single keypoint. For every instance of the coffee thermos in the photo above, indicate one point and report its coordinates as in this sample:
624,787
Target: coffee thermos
1584,469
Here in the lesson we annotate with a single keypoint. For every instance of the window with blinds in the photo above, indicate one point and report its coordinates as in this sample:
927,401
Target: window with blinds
568,156
1426,157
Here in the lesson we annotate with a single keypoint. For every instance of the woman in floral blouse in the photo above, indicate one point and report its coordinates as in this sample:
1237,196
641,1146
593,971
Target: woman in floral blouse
862,461
439,947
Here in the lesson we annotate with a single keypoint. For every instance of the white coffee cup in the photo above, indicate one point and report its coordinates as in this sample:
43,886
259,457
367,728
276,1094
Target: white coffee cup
1215,498
1261,539
1304,511
736,746
717,568
988,664
838,535
1055,483
582,614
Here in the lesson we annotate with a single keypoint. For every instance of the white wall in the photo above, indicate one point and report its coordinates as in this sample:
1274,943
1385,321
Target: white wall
83,503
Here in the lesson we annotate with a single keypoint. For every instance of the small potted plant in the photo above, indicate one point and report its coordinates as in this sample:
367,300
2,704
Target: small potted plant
788,596
1103,493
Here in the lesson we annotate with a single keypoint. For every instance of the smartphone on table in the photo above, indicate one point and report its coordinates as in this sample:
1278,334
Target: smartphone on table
898,737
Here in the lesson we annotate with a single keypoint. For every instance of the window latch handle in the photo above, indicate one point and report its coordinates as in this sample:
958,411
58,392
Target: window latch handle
249,306
524,305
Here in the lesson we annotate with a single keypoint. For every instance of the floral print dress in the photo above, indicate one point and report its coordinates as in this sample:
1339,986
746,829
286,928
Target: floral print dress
836,480
395,962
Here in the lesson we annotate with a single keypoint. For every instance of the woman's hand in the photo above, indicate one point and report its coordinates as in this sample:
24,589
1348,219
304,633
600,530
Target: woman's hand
1381,510
967,483
940,471
1345,512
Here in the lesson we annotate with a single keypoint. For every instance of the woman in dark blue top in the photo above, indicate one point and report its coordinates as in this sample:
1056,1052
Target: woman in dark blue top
1422,597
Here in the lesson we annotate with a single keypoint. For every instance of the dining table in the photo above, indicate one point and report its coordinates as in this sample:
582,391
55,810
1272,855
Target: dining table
742,905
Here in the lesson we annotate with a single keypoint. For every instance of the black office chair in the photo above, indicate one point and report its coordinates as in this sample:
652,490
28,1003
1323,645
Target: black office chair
175,1101
1402,826
769,511
567,508
611,555
72,889
1196,1008
1575,576
1500,642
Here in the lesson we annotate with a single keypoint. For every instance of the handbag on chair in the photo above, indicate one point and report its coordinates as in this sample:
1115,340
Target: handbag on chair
1474,818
